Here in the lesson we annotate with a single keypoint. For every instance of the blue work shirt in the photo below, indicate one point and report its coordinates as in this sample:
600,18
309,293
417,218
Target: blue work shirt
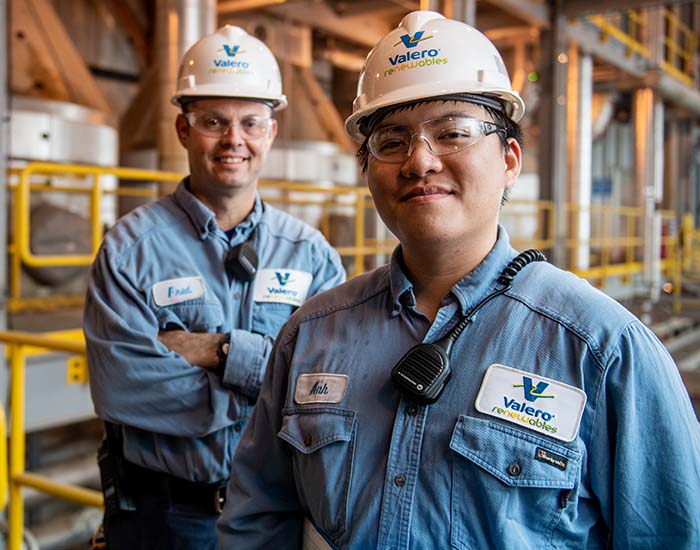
161,267
332,440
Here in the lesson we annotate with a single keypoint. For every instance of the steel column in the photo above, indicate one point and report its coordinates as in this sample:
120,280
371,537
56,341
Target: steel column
648,128
179,24
582,161
553,124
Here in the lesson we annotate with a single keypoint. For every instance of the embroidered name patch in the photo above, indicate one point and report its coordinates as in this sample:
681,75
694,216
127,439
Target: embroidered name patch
540,404
286,286
320,388
174,291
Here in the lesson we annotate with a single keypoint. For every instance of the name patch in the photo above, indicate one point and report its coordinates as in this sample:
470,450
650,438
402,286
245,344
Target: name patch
174,291
534,402
286,286
321,387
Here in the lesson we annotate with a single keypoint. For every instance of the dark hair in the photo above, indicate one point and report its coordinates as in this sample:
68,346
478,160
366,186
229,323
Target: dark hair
513,129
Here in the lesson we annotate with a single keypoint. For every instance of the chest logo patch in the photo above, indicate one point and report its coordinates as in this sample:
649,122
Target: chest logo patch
174,291
321,387
534,402
286,286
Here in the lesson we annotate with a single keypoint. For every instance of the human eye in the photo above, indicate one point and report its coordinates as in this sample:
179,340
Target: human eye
389,140
391,144
253,123
455,130
454,133
213,122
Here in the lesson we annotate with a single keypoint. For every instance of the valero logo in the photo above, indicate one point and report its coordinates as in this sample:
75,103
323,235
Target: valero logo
533,393
413,58
412,41
230,65
231,52
283,279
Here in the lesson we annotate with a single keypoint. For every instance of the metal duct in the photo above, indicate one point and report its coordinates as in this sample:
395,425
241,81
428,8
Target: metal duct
673,91
179,24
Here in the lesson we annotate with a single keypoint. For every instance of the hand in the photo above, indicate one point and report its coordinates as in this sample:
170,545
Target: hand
198,348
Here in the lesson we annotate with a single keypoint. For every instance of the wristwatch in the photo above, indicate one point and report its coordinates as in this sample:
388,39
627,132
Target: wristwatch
222,351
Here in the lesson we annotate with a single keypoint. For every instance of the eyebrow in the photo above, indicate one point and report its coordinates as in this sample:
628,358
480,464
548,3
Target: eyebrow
207,113
455,114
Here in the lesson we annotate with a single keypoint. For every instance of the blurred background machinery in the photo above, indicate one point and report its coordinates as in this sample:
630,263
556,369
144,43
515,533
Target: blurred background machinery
610,186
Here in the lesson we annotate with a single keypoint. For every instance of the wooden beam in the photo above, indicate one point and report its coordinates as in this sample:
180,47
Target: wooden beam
365,30
530,12
326,113
46,63
578,8
129,23
139,122
235,6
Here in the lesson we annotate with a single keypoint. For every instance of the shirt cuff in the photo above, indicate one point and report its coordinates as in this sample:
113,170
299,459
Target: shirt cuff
244,364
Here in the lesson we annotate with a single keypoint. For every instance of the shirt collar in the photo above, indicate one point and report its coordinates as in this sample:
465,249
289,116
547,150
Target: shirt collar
468,290
484,277
203,219
401,288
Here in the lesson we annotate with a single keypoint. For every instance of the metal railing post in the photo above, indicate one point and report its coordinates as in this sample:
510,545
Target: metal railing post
3,459
16,507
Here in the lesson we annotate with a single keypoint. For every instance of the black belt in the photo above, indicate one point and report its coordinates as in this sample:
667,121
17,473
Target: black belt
206,498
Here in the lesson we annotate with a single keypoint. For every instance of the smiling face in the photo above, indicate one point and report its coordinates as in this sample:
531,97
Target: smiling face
441,202
229,164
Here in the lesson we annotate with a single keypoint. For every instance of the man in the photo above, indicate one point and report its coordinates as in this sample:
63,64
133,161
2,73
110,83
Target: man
185,298
564,423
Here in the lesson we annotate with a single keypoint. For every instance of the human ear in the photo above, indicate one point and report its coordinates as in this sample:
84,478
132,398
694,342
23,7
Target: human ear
273,132
182,128
513,162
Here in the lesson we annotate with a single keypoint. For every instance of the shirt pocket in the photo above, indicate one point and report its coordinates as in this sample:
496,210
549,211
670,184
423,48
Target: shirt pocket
508,486
323,443
268,317
192,316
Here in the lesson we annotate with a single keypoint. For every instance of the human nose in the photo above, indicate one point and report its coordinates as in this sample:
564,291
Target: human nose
420,157
233,133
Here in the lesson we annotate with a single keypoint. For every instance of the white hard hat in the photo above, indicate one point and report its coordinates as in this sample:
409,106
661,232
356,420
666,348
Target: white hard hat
428,56
230,63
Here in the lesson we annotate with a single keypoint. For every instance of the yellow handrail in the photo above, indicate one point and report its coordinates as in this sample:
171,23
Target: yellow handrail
17,342
22,208
615,249
358,198
680,53
3,459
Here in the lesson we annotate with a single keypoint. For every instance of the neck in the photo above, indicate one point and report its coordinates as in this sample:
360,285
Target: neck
229,209
434,271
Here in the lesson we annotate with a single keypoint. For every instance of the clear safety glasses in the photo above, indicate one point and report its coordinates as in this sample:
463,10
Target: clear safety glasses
444,135
213,125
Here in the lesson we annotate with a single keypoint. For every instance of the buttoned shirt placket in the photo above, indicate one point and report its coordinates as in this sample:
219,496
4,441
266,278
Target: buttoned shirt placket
405,453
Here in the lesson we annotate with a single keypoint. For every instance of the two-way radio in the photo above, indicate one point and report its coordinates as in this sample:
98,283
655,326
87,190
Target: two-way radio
423,372
242,260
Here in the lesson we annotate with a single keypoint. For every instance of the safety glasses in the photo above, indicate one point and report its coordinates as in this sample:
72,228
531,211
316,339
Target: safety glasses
215,125
444,136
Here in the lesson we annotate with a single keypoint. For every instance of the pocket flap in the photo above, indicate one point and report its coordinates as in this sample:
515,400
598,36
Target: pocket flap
310,429
195,316
514,456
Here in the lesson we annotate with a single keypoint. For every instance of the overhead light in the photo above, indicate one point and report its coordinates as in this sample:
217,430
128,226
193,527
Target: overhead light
233,6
